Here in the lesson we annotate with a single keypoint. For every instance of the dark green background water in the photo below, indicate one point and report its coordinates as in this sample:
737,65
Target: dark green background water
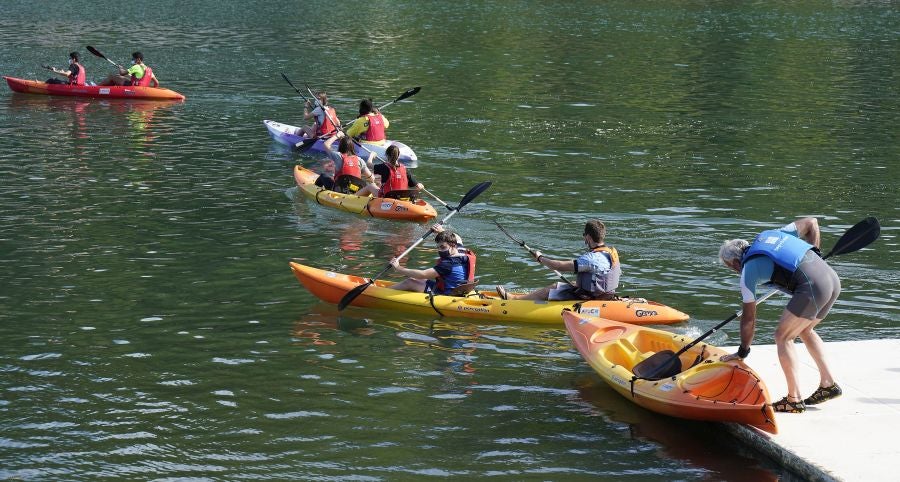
150,327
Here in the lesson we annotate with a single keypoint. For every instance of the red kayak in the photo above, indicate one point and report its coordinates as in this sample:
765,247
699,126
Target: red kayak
96,91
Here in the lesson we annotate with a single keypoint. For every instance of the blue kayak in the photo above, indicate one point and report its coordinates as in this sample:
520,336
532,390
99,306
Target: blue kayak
287,135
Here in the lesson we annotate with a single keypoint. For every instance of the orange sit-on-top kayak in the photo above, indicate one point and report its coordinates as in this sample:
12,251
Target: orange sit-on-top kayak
415,210
97,91
700,388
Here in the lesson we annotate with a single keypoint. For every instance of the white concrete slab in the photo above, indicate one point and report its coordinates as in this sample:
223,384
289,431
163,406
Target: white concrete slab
853,437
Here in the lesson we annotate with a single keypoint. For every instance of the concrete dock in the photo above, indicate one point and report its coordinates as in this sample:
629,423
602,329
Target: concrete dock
850,438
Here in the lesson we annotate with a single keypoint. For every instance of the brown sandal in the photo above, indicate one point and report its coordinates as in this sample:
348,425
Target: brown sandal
823,394
786,406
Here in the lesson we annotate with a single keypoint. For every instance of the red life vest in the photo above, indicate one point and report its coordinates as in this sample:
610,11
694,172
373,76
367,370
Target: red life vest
350,166
375,132
79,78
145,80
440,286
327,126
396,181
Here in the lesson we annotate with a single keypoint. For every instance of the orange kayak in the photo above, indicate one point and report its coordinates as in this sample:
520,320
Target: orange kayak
481,305
98,91
708,390
378,207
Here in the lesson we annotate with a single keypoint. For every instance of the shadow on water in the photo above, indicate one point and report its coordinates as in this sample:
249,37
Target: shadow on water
701,444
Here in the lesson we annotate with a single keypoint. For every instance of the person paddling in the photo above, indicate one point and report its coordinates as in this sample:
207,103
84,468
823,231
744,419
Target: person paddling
370,126
598,271
453,273
324,118
139,74
350,174
788,258
75,75
393,176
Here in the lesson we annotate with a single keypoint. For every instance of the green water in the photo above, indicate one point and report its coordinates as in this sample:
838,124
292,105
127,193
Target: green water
150,327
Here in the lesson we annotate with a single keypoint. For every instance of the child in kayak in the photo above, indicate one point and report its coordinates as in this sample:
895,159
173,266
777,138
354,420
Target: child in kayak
455,268
138,74
75,75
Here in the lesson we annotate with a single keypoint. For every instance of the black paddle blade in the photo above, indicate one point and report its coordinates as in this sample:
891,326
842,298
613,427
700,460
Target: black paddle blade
352,294
96,52
409,93
305,144
859,236
472,194
662,364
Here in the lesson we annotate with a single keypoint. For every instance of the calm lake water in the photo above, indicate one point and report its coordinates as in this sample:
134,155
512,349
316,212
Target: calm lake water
150,328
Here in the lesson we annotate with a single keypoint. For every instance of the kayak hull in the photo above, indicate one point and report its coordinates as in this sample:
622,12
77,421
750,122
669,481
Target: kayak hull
95,91
331,287
710,390
286,134
397,209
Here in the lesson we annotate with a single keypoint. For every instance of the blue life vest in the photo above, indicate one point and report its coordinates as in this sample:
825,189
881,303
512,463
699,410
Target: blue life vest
459,275
785,249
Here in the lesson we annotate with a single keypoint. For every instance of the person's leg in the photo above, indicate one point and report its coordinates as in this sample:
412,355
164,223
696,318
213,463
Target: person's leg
789,328
410,284
815,346
539,294
370,189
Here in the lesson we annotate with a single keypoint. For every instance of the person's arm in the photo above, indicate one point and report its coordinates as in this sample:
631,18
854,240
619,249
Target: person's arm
358,127
411,181
808,230
748,328
330,142
154,82
429,273
64,73
557,264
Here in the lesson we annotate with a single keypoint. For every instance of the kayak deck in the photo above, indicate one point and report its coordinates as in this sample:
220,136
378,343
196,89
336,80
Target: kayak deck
95,91
481,305
385,208
286,134
706,389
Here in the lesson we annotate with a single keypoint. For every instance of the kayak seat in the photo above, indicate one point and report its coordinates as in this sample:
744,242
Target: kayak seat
463,289
348,184
404,194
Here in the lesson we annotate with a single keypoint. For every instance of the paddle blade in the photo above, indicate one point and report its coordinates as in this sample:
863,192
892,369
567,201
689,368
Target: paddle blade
306,144
352,294
409,93
859,236
96,52
473,193
662,364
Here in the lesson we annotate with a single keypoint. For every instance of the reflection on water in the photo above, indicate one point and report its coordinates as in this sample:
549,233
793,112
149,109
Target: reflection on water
150,326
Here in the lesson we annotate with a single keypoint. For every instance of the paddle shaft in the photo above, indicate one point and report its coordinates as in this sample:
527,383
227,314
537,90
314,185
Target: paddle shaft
532,251
98,54
436,198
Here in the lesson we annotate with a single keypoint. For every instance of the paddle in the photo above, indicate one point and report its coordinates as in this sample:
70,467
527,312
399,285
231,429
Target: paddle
532,252
409,93
436,198
98,54
472,194
665,363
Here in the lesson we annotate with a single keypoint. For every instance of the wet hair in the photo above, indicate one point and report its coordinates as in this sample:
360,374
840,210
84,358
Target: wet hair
345,146
733,249
366,107
137,56
73,56
447,236
393,154
596,230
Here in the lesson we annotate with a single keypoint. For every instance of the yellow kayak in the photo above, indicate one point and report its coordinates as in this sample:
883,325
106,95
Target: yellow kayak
481,305
376,207
707,389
